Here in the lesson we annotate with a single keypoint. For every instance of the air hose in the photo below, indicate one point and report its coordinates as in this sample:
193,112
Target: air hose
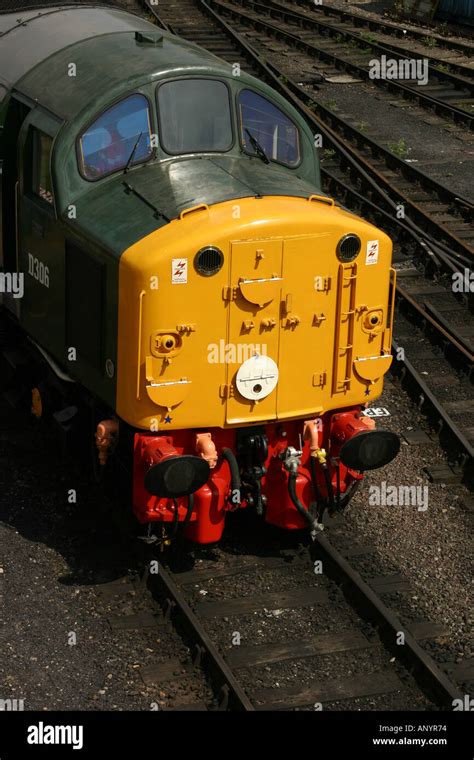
187,518
349,493
330,490
236,483
175,519
319,499
189,510
341,500
299,506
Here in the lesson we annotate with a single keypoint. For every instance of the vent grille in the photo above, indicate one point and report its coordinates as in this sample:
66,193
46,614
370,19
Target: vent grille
208,261
348,247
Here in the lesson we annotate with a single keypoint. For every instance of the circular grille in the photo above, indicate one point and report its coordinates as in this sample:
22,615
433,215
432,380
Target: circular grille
348,247
208,260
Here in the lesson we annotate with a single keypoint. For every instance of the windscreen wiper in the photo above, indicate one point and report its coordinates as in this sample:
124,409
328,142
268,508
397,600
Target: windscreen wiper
132,154
257,147
130,189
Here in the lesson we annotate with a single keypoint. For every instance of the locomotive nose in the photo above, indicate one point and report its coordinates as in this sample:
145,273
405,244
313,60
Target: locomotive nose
370,449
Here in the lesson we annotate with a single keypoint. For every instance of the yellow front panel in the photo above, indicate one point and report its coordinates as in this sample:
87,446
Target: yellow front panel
183,337
253,319
306,324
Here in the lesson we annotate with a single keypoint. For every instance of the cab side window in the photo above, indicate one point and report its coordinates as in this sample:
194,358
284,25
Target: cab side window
41,184
271,128
107,144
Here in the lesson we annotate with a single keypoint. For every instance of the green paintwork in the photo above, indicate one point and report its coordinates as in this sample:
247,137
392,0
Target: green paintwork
173,186
109,63
38,34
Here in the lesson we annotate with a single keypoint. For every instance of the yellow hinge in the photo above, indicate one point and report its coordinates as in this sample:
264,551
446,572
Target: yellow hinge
228,293
291,321
226,390
318,319
319,379
189,327
322,283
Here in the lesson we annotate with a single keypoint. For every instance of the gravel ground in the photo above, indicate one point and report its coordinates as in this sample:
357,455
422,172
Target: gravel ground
431,548
57,557
445,154
58,650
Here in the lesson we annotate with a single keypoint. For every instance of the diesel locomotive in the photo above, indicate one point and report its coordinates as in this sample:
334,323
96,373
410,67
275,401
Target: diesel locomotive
174,275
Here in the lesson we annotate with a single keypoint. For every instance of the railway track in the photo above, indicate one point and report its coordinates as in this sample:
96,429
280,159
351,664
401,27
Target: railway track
351,177
405,31
245,643
442,62
461,236
448,94
239,630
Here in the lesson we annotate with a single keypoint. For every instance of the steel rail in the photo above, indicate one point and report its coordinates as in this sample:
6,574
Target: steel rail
153,9
461,349
359,596
370,606
390,27
465,205
381,46
234,696
431,254
439,106
424,396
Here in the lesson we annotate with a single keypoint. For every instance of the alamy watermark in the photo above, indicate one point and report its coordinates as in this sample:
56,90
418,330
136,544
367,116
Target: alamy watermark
463,282
232,353
384,495
402,68
48,734
12,282
12,705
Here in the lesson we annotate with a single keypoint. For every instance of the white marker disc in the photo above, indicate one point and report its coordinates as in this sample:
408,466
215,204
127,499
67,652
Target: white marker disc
257,377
